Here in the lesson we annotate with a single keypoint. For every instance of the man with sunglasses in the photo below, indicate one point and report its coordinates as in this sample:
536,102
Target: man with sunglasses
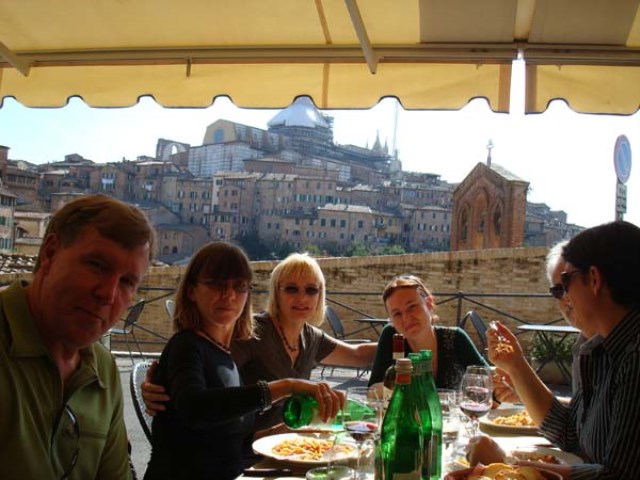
555,266
61,412
601,422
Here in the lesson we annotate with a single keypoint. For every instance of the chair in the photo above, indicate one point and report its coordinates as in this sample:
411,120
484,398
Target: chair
169,305
128,328
138,374
338,332
480,328
338,329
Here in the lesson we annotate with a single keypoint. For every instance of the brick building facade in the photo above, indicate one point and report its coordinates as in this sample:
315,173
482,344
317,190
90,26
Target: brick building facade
489,209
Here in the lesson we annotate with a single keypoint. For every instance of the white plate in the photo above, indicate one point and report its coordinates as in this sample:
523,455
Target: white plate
487,421
264,446
564,458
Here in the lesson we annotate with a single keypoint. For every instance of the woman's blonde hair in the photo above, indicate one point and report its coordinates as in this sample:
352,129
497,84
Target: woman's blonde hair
296,265
220,261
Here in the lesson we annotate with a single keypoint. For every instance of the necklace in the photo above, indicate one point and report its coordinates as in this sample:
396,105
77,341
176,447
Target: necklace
218,344
290,347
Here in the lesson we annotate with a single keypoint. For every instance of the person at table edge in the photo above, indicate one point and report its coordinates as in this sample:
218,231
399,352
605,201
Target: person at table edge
61,412
601,422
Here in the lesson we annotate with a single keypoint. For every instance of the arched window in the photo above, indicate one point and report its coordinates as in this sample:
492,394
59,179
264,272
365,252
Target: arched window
464,225
497,221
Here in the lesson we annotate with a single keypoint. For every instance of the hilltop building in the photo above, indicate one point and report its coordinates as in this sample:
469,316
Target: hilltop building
289,187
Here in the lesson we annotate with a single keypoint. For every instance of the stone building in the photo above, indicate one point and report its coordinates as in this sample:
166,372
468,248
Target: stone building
17,177
7,227
489,208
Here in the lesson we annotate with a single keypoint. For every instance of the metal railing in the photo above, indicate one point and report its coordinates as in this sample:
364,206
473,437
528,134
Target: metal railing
461,302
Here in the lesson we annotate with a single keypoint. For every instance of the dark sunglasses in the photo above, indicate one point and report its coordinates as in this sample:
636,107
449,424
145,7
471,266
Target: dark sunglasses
293,290
219,286
565,279
65,437
557,291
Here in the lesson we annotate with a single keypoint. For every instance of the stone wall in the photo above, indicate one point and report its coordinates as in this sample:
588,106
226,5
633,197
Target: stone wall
356,283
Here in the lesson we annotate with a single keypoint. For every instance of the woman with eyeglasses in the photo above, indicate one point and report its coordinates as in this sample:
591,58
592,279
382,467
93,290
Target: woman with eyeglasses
288,341
207,427
411,309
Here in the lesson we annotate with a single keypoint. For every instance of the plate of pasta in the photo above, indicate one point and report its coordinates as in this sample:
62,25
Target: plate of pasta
513,420
307,449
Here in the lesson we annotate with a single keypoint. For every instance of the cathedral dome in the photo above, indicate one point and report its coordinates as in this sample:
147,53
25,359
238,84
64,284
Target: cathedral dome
301,113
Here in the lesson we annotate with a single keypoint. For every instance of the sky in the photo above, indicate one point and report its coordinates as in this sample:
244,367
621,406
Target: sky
566,157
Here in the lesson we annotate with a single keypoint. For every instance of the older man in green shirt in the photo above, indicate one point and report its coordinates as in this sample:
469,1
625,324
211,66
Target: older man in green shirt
61,407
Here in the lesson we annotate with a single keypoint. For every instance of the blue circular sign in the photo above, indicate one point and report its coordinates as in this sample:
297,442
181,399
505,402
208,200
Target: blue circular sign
622,158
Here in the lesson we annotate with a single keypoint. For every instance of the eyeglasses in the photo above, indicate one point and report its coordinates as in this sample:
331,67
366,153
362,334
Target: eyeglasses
65,442
557,291
220,286
565,279
293,290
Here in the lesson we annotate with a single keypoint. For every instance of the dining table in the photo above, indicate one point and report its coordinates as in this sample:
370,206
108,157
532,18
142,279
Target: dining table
509,438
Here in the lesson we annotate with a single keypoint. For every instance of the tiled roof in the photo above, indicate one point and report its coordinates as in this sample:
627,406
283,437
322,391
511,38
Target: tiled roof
14,263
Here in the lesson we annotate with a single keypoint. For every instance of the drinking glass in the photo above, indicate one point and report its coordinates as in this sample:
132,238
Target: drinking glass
362,417
341,460
450,419
476,394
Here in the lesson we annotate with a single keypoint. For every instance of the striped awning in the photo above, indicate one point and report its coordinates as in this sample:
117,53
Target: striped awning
430,54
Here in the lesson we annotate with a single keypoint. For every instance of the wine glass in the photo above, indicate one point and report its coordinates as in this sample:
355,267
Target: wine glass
476,394
341,458
362,417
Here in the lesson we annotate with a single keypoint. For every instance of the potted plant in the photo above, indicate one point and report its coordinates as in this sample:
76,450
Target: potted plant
556,348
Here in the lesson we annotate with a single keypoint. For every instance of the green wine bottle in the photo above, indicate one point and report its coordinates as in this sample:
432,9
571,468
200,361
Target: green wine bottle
301,411
419,388
431,394
401,436
389,379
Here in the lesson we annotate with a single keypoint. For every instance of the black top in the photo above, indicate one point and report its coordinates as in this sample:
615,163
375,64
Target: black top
208,424
456,351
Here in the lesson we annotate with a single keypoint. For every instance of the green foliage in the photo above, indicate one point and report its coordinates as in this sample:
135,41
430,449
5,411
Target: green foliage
393,250
313,250
562,348
358,250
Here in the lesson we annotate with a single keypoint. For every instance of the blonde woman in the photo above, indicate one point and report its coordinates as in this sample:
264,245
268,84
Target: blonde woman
288,341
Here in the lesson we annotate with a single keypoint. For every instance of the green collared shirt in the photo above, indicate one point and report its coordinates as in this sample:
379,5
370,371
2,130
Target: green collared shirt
32,399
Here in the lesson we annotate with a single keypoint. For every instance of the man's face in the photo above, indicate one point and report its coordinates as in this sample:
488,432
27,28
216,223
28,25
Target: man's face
564,303
87,286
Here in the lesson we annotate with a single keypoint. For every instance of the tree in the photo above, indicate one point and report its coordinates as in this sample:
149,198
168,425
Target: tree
393,250
312,249
358,250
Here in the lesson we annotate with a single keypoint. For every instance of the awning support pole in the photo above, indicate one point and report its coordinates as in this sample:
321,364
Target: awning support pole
20,65
361,32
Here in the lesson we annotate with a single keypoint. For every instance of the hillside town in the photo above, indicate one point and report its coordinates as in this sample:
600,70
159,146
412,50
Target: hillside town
289,187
